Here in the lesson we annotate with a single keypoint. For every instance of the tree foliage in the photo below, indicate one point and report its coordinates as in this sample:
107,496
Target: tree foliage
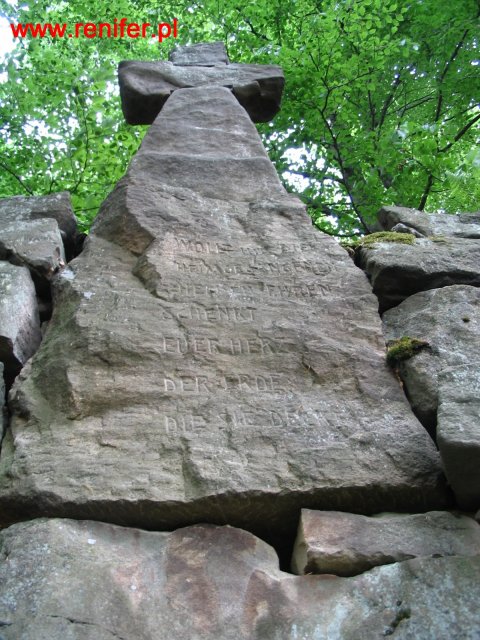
381,104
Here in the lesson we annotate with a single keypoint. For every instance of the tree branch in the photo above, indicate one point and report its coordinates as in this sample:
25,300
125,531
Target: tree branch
12,173
87,144
460,134
343,169
388,102
426,192
448,64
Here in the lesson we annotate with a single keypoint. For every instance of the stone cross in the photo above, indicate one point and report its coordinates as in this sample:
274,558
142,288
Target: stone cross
146,86
211,358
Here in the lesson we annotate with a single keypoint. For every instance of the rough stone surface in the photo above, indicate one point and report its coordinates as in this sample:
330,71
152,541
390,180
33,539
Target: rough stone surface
443,381
65,580
36,244
2,403
346,544
209,357
463,225
57,206
19,320
398,271
146,86
209,54
449,320
458,431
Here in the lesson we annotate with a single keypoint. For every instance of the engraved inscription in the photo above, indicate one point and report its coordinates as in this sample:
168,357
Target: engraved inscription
180,423
202,246
252,267
301,290
217,314
210,346
195,384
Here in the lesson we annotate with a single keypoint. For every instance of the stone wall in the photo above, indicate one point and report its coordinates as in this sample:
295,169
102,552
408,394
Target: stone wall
435,279
212,390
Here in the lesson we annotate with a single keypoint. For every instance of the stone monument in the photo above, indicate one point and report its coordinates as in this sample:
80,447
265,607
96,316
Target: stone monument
210,357
213,360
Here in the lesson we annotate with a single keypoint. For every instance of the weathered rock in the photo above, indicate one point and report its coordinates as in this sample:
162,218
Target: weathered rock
463,225
146,86
57,206
449,320
19,320
398,271
403,228
67,580
346,544
2,403
36,244
211,357
458,431
204,54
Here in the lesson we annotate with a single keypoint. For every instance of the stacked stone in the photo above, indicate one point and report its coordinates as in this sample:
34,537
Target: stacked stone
212,359
437,278
36,236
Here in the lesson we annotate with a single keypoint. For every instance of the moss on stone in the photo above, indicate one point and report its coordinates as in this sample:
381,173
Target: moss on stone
404,348
385,236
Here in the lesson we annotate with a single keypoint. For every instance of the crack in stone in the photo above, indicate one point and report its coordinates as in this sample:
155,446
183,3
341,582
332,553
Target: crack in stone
89,624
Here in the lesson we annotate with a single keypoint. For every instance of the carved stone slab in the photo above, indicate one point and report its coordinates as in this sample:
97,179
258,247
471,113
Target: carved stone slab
211,357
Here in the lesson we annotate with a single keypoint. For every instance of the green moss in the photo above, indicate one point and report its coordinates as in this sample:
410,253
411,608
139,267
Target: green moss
404,348
385,236
437,238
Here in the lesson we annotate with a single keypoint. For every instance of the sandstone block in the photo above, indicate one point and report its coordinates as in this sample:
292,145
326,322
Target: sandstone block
463,225
398,271
448,319
458,431
146,86
19,320
56,206
346,544
67,580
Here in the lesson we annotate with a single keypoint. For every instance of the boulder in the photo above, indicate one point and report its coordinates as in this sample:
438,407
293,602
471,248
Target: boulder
398,270
458,431
20,210
19,320
443,380
463,225
448,319
346,544
146,86
204,54
67,580
2,403
36,244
